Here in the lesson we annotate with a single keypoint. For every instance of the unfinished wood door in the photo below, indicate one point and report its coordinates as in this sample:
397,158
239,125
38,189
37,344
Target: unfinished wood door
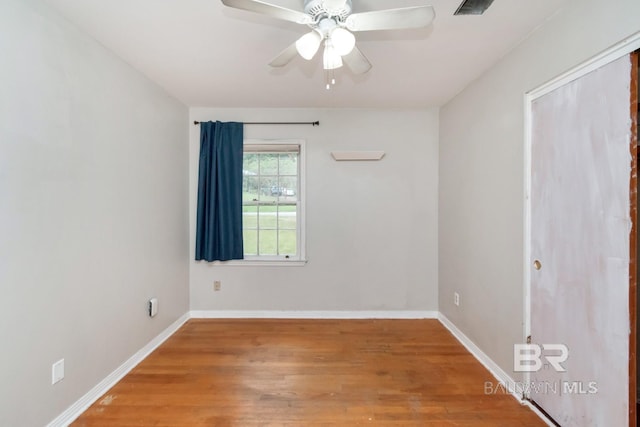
580,247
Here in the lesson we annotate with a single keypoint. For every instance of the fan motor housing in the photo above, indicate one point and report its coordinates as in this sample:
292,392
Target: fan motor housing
317,8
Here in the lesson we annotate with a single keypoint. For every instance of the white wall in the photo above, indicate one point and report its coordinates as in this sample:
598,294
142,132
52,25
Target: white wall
371,226
481,195
93,189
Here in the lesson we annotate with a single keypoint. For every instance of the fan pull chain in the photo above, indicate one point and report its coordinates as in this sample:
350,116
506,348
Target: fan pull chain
330,78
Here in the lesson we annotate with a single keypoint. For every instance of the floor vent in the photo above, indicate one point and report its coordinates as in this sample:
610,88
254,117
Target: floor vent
473,7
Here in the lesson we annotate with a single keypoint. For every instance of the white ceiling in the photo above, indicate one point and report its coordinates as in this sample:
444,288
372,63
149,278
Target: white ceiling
208,55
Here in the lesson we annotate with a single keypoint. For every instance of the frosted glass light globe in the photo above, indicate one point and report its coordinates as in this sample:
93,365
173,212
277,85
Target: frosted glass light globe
331,59
308,45
343,41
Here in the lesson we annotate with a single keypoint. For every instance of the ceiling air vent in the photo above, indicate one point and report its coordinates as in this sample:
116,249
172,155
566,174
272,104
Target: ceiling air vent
473,7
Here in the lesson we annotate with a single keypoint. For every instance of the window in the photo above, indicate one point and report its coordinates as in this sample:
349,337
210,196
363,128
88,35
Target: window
271,199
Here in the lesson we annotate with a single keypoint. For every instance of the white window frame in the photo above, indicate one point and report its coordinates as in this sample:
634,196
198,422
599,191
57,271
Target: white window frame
281,260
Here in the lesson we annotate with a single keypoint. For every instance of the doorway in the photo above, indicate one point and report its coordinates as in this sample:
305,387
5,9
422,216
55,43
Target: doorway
580,254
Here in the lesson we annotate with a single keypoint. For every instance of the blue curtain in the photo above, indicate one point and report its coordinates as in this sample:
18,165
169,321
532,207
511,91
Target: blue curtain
219,220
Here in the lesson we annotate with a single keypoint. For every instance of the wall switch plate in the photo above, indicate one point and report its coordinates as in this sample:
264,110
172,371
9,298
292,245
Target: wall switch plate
57,371
217,285
456,298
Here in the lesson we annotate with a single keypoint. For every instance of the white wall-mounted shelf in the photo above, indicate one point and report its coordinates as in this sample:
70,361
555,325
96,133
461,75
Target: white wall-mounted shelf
357,155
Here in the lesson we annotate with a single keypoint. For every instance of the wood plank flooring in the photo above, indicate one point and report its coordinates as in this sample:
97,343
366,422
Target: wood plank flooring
308,373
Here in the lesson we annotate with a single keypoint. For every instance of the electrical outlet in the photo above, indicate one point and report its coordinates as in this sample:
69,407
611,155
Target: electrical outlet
57,371
217,285
456,298
152,307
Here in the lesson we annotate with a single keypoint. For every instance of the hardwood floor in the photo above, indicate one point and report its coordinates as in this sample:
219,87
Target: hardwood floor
308,373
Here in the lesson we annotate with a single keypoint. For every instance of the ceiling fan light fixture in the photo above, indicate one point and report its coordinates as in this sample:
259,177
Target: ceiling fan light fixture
308,45
343,41
333,23
331,59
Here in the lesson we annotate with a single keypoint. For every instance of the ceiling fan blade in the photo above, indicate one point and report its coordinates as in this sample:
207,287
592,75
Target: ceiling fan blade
391,19
357,62
270,10
285,56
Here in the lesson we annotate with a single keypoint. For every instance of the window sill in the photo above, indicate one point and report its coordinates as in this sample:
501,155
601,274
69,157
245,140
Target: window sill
261,263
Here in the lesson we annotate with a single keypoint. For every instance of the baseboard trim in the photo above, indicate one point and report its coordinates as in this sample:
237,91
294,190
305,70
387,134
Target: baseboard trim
82,404
505,379
274,314
510,386
539,413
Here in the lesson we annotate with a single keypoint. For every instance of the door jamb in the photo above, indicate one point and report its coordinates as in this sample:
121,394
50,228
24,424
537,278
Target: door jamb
633,260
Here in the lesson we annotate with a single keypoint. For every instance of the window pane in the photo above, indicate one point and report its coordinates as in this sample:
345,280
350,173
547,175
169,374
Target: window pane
267,186
289,164
267,217
268,242
250,188
268,164
287,217
249,217
289,185
275,190
287,242
250,164
250,241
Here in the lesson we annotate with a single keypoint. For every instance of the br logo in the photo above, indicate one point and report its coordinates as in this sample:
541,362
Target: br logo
529,357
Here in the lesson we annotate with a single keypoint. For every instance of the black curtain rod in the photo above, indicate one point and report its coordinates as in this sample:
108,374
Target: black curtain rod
316,123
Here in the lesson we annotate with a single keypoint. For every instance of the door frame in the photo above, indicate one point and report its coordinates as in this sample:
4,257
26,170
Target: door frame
633,276
620,49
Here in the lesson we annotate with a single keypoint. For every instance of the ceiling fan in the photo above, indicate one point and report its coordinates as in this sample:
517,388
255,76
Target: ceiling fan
332,24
